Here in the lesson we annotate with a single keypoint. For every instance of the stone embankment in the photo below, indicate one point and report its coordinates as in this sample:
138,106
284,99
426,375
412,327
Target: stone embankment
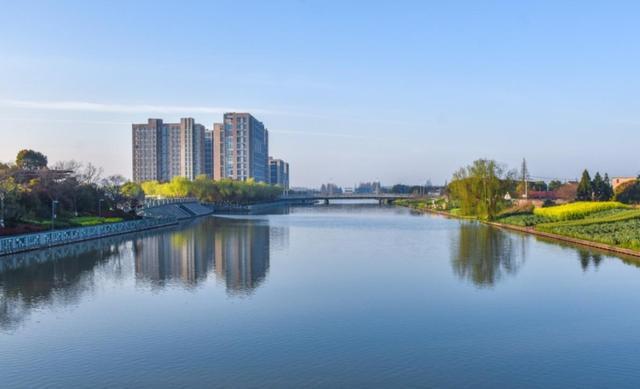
42,240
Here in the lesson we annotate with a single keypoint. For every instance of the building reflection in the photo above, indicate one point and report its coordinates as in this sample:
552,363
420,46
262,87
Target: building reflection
236,251
242,249
485,255
184,256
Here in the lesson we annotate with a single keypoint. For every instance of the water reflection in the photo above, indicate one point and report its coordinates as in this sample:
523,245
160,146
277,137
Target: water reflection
484,255
587,258
241,253
235,250
58,276
184,256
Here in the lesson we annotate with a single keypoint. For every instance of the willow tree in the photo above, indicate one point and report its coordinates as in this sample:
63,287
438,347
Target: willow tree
480,187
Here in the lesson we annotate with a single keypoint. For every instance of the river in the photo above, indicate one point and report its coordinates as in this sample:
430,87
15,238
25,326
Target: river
325,296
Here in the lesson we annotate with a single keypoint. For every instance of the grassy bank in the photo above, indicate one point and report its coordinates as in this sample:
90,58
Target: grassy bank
607,223
37,225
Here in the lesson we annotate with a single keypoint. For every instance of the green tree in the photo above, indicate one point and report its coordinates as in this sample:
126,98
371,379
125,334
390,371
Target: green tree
132,194
31,160
598,188
607,188
585,189
480,187
554,184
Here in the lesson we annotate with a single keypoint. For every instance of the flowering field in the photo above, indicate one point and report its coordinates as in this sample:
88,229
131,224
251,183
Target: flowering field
577,210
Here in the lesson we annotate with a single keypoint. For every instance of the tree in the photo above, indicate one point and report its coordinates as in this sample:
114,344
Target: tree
607,189
585,190
554,184
111,187
597,186
132,193
31,160
480,188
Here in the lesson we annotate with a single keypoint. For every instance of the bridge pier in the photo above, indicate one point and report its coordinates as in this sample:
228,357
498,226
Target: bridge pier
326,201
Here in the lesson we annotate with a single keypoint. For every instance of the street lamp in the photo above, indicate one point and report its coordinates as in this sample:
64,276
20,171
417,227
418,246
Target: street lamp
1,210
100,207
53,213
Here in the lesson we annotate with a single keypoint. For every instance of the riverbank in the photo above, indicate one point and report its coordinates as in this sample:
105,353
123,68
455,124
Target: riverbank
531,230
42,240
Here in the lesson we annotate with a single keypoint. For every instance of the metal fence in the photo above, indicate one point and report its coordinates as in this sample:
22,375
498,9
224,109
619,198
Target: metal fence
20,243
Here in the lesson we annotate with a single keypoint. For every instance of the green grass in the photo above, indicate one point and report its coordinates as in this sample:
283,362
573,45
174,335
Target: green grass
80,221
603,218
523,220
624,233
85,221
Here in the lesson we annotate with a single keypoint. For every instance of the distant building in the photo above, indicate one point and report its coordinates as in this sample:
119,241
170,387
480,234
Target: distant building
162,151
369,187
330,189
243,142
279,173
617,181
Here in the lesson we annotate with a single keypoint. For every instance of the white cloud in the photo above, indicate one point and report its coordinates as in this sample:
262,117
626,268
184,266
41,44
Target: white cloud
125,108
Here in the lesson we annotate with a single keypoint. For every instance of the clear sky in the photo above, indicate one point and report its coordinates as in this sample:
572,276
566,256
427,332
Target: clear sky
396,91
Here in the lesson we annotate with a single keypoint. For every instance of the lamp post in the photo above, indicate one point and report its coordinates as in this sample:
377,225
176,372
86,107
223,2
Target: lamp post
1,210
100,207
53,213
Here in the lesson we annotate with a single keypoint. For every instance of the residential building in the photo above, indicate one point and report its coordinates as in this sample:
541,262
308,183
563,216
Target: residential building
208,153
162,151
617,181
243,143
279,173
218,151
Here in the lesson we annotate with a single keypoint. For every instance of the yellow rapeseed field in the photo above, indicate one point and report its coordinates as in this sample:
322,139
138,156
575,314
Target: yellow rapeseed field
577,210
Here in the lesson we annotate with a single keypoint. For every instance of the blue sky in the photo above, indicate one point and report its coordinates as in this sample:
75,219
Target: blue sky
351,91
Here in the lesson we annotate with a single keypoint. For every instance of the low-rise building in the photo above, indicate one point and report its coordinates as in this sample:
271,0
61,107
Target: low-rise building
617,181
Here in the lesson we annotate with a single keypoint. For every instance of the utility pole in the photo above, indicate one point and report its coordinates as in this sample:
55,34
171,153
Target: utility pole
525,177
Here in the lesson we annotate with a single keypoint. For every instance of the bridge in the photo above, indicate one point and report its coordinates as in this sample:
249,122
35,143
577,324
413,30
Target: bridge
382,198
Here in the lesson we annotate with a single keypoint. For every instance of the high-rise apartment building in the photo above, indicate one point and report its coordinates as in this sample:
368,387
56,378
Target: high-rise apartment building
162,151
208,153
279,173
218,151
243,143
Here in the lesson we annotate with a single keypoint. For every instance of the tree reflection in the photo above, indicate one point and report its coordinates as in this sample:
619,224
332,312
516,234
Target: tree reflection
234,251
586,258
51,277
484,255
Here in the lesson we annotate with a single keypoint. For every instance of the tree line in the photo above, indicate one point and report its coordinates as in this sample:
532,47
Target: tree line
213,191
479,189
32,190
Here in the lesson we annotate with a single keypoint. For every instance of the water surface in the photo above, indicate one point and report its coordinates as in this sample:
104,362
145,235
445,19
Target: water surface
326,296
